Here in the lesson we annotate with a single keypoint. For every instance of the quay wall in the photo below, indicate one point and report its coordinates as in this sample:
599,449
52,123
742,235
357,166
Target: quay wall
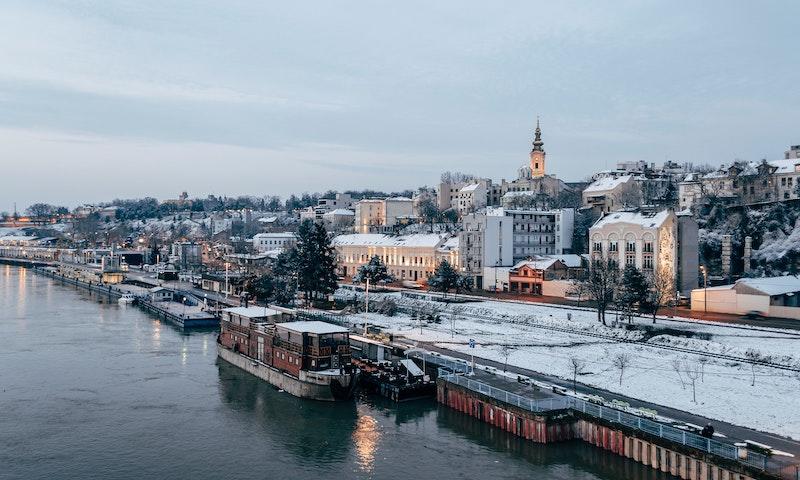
562,425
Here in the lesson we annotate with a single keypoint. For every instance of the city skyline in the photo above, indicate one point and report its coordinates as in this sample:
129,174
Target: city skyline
150,100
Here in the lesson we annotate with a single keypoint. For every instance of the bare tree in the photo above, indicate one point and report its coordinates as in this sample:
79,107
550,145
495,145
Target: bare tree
621,362
600,285
455,314
661,290
692,370
577,365
703,361
678,368
753,356
505,351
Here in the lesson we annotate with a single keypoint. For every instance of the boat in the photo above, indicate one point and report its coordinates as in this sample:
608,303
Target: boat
308,359
127,298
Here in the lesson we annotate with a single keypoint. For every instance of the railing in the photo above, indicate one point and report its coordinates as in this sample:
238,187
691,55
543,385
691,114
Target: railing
667,432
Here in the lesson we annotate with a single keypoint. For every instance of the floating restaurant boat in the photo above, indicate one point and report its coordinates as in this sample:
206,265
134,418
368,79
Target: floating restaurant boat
309,359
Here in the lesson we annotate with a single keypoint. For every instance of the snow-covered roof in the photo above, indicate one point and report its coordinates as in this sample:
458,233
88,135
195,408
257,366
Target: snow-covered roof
772,285
449,245
275,235
267,219
607,183
469,188
340,211
524,193
315,327
635,218
252,312
379,240
537,264
571,260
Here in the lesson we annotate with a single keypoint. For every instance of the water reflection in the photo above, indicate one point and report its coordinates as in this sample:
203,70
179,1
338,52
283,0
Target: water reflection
311,431
365,438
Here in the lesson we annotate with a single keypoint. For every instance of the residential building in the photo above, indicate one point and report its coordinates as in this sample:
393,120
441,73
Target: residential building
407,257
768,296
528,276
325,205
470,198
793,152
539,232
610,192
486,243
382,215
339,219
187,255
661,243
267,242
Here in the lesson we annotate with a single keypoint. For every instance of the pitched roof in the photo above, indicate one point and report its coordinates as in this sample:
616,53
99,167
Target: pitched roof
607,183
772,285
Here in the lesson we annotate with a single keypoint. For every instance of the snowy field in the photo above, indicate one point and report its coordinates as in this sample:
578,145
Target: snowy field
724,389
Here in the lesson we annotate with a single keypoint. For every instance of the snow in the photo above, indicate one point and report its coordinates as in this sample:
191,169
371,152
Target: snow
724,393
314,327
430,240
635,218
773,285
604,184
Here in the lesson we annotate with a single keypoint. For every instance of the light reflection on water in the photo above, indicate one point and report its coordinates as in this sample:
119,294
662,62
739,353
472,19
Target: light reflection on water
365,438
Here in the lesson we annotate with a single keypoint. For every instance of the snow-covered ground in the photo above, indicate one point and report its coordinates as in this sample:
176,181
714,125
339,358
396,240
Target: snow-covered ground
724,388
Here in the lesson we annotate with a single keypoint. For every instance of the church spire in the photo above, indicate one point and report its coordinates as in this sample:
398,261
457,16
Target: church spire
537,141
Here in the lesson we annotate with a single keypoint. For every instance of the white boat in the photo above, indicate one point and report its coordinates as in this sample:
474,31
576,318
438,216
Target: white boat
127,298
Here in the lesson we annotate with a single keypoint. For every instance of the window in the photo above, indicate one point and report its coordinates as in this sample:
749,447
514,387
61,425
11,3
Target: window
630,246
647,262
613,247
648,247
630,259
597,247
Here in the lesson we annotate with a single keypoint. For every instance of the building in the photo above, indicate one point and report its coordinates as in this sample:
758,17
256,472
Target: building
769,296
382,215
792,153
486,243
745,183
268,242
656,243
339,219
325,205
407,257
187,255
609,193
528,276
160,294
540,232
470,198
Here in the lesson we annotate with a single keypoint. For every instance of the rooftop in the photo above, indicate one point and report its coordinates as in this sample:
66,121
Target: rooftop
607,183
773,285
252,312
379,240
645,220
315,327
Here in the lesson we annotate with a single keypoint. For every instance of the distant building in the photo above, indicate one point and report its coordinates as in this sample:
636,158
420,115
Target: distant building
486,241
188,255
540,232
656,243
266,242
609,193
407,257
793,152
382,215
339,219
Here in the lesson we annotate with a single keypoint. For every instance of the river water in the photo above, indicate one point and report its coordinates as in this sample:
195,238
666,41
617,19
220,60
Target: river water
93,389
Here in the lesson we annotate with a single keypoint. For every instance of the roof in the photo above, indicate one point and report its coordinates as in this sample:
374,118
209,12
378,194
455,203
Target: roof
635,218
158,289
772,285
469,188
571,260
252,312
315,327
607,183
340,211
537,264
429,240
275,235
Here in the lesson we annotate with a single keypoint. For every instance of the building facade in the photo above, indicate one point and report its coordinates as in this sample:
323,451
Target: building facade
485,242
661,243
382,215
267,242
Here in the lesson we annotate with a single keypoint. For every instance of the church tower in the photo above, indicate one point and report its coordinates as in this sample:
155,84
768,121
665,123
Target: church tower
537,154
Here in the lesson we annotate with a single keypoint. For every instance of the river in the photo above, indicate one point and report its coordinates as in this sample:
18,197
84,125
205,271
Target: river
92,389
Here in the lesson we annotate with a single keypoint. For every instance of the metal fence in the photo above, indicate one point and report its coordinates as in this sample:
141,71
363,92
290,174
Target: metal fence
667,432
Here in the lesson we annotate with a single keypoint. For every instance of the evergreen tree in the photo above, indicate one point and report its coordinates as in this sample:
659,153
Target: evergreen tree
445,278
375,271
315,261
633,289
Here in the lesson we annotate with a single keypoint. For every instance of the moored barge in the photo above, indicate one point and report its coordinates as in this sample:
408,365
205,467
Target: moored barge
309,359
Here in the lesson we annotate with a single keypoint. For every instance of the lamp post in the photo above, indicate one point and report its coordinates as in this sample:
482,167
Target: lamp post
704,270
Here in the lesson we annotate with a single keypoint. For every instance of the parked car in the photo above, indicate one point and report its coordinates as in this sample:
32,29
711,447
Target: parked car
754,315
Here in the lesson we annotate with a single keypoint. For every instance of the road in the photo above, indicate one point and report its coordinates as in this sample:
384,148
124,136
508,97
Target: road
733,432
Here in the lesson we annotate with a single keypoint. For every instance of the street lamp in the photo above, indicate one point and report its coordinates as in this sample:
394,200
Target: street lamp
704,270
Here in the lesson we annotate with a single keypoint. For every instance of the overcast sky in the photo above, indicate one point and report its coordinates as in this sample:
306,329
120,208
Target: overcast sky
109,99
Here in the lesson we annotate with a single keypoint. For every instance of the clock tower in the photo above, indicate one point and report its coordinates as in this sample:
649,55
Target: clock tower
537,154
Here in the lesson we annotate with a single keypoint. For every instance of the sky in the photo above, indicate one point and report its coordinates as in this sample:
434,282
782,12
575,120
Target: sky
110,99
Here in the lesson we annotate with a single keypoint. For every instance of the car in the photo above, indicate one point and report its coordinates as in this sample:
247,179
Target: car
754,315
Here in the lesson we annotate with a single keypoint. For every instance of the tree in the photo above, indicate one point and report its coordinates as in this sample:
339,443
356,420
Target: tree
428,208
374,271
621,362
315,261
506,351
693,373
633,289
600,284
576,364
676,366
40,210
445,278
455,314
262,287
661,291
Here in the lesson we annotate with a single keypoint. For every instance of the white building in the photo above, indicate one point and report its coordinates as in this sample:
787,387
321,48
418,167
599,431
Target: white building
266,242
407,257
608,193
656,243
339,219
382,215
769,296
486,242
539,232
470,198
